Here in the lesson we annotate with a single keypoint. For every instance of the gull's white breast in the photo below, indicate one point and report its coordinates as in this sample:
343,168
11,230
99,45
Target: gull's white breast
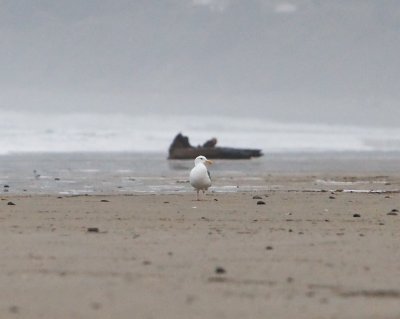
199,177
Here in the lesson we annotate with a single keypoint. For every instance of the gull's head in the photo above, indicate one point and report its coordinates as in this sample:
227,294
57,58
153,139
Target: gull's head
202,159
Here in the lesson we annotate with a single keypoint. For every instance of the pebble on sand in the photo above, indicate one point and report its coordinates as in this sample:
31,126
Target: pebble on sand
393,212
220,270
14,309
260,202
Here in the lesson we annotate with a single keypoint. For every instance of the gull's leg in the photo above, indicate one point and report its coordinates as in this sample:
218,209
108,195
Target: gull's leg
198,197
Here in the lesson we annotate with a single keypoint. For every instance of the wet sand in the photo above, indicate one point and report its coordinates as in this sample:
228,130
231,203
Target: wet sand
302,254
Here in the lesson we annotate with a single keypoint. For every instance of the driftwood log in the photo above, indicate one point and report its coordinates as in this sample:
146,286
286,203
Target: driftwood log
181,149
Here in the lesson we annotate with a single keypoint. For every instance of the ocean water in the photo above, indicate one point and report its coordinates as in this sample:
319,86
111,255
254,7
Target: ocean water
100,153
85,132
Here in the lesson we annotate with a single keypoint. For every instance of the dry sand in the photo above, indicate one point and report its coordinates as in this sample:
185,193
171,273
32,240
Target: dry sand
301,255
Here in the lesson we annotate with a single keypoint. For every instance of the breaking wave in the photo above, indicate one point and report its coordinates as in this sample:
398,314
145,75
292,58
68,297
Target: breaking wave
85,132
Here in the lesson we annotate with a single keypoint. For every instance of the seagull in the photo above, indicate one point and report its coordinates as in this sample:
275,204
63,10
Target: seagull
199,175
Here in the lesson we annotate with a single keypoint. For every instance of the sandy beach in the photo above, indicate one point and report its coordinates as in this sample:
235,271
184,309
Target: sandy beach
291,252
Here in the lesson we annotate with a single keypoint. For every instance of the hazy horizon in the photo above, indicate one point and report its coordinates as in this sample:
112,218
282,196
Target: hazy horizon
303,61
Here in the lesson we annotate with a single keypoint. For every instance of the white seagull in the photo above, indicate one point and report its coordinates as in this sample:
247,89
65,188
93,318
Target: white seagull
199,175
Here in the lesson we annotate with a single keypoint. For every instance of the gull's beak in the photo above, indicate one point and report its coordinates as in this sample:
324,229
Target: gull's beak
209,162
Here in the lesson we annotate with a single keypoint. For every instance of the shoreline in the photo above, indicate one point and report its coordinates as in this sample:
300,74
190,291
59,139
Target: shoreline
222,183
299,253
110,173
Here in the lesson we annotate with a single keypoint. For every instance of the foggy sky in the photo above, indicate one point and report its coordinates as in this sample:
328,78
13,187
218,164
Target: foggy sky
307,60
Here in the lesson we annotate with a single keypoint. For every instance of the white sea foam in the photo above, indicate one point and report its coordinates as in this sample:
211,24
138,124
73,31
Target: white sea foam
31,132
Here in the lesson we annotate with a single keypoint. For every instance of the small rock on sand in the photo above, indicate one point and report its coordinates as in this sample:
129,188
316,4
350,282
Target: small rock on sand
14,309
393,212
220,270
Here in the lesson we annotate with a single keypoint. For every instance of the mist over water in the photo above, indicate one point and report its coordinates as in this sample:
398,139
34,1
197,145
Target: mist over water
127,76
305,61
